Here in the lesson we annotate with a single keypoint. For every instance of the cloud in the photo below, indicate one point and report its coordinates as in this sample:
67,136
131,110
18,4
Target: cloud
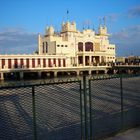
134,12
127,41
17,40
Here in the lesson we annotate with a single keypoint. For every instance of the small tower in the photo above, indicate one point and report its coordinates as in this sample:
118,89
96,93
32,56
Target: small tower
68,31
39,44
50,31
68,27
103,28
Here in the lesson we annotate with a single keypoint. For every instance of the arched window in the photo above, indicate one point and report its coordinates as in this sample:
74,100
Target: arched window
88,46
43,49
80,46
46,47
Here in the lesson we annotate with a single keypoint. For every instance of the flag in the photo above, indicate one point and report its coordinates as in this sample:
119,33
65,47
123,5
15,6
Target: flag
67,11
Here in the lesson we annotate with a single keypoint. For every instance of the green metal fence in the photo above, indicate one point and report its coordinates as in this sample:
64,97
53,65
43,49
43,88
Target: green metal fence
41,111
114,105
83,108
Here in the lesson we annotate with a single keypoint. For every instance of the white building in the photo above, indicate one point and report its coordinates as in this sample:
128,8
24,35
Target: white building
69,50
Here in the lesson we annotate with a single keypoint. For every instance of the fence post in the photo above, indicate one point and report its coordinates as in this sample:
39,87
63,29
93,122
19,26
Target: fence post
90,109
122,115
81,111
34,112
85,106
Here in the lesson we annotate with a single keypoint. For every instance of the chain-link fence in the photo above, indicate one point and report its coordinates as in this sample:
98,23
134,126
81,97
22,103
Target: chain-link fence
84,108
45,111
114,104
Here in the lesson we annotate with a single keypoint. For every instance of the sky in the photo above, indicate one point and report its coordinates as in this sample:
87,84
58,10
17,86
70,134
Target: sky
22,20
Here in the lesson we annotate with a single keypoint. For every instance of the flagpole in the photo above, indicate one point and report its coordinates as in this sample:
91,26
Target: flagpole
67,15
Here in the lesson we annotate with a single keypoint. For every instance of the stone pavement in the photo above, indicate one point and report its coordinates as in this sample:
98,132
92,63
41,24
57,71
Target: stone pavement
131,134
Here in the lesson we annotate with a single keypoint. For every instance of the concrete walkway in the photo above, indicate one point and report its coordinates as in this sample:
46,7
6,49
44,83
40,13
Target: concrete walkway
131,134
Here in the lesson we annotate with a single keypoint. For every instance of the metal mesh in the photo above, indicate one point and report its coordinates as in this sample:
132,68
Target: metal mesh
58,111
16,121
131,101
106,106
50,111
61,110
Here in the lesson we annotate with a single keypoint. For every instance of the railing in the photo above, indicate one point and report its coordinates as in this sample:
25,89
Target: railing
86,108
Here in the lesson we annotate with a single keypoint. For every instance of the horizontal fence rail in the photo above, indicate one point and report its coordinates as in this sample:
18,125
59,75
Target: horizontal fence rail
82,108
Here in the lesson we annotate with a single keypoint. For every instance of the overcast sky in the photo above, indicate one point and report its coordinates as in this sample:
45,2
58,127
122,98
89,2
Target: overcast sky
22,20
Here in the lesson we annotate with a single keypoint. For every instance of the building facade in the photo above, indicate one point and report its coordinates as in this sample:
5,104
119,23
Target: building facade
68,50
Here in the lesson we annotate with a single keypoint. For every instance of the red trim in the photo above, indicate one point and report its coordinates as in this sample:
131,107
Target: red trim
64,63
27,62
38,61
9,63
50,63
33,63
44,62
3,63
59,62
15,63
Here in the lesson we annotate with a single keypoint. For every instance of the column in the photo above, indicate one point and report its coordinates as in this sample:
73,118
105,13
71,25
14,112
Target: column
56,62
18,62
55,73
105,71
6,63
90,60
89,72
114,71
39,74
97,71
77,63
41,62
36,62
21,74
2,76
12,63
30,62
78,72
129,71
61,62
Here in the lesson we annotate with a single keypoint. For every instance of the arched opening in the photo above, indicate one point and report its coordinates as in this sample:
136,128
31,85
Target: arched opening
80,46
46,47
43,49
88,46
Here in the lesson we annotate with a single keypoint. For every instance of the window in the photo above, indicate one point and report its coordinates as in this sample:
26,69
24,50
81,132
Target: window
80,46
43,48
58,45
66,45
88,46
61,45
46,47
